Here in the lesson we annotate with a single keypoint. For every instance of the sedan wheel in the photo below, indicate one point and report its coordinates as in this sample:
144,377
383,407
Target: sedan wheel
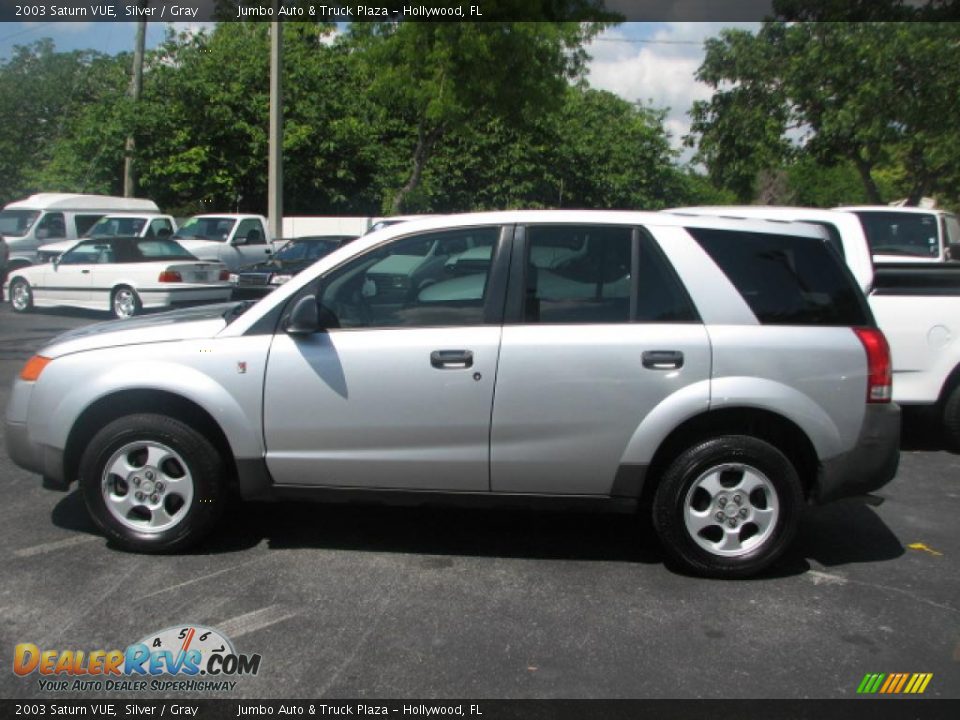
125,303
21,297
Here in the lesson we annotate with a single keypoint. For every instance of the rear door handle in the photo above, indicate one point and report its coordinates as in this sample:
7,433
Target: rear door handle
451,359
84,272
663,359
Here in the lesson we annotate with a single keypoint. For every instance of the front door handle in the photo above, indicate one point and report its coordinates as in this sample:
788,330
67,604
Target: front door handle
84,272
663,359
451,359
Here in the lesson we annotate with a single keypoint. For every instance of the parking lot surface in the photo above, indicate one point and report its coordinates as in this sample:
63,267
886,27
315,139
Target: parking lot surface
377,602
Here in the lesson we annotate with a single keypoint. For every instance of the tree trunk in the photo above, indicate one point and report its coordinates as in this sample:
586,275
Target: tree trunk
426,139
873,192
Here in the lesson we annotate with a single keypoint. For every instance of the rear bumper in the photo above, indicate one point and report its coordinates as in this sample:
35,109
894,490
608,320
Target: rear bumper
870,465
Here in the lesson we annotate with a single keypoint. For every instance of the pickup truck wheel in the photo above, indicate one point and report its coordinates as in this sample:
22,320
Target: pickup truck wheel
124,302
951,420
152,484
728,506
21,296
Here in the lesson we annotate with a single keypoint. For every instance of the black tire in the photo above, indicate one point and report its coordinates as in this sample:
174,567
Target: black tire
951,420
756,551
202,466
18,285
136,307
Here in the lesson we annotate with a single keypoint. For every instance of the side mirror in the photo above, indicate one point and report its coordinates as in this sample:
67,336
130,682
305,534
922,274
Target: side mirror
953,251
56,262
304,319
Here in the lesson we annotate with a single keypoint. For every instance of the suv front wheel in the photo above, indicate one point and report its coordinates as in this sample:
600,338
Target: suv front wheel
152,483
728,506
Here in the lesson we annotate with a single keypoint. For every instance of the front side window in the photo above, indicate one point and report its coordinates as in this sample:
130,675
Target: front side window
408,283
250,233
17,223
578,274
118,227
52,227
206,228
87,253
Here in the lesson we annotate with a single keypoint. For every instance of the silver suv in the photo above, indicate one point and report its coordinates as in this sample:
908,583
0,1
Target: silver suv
718,373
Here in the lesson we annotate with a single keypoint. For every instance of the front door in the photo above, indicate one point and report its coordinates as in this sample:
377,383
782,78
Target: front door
397,391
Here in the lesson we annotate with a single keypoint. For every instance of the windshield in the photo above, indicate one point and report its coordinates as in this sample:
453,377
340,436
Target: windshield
17,223
206,228
117,227
900,233
299,250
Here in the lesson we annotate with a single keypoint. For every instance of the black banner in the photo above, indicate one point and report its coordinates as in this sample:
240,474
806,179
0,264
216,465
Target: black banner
874,709
474,10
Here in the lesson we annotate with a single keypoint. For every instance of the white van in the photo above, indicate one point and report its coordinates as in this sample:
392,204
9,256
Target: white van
47,217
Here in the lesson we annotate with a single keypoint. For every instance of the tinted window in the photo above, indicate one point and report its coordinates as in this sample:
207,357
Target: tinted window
578,274
85,222
900,233
410,283
786,280
660,294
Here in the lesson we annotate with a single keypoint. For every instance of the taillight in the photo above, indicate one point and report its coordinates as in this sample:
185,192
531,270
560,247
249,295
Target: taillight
879,366
170,276
224,275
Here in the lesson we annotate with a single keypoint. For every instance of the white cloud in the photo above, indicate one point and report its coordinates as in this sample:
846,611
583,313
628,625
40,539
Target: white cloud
656,65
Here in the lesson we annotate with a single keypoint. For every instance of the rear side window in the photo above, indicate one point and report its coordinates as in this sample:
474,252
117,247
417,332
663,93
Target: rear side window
786,280
578,275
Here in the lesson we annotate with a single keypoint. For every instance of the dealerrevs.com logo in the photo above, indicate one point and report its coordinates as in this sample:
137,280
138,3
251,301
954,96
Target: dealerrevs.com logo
197,659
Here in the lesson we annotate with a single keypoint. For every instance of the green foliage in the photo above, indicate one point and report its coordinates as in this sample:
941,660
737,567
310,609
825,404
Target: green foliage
50,103
492,117
864,95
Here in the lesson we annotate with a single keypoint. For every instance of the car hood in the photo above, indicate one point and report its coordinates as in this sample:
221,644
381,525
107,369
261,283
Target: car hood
187,324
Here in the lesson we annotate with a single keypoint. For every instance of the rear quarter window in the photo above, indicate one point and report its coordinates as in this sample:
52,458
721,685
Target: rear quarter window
786,280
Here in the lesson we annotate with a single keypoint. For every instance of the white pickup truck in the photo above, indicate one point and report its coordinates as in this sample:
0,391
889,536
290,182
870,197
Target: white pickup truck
908,235
236,240
917,306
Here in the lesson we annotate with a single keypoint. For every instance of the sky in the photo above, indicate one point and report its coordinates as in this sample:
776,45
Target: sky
649,62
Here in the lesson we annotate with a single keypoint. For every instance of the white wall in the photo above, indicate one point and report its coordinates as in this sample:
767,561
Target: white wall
294,227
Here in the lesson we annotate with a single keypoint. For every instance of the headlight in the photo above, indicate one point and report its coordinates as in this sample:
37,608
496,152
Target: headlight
279,279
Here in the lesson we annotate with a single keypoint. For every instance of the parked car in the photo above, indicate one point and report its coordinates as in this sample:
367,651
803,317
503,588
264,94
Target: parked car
909,234
146,225
916,305
233,239
122,275
723,372
255,281
47,217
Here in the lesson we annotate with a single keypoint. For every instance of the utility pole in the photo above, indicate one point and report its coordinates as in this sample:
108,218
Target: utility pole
275,162
136,88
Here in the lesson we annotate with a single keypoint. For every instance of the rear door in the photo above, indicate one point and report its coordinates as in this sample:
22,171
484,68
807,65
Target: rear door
396,392
599,332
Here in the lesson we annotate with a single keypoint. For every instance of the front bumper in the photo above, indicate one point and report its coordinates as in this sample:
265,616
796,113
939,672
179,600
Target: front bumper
36,458
870,465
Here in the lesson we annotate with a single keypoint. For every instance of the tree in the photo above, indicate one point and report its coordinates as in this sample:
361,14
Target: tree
438,77
44,98
868,94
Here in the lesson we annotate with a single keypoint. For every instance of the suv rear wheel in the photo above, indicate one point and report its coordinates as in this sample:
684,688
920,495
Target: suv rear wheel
152,484
728,506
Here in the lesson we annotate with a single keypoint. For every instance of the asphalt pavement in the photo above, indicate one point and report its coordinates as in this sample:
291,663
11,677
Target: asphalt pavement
379,602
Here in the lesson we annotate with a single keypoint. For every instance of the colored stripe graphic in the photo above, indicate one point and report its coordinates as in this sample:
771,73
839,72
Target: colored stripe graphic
894,683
